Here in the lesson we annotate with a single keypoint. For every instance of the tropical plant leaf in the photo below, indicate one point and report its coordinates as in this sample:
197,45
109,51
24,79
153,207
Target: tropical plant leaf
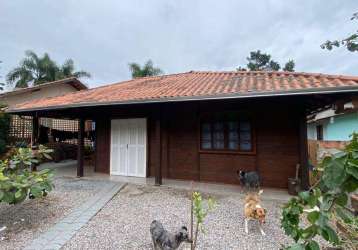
312,245
334,174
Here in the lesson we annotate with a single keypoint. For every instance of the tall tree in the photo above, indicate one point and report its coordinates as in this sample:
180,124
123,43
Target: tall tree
148,69
35,70
258,61
68,70
289,66
350,42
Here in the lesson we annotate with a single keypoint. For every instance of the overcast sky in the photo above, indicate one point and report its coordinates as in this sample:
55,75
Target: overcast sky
102,37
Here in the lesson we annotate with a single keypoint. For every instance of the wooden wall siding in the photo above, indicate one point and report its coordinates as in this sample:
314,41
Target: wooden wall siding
277,142
103,140
183,142
277,147
223,168
153,147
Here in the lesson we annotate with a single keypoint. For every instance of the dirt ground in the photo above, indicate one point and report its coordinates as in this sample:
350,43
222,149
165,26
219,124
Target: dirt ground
27,220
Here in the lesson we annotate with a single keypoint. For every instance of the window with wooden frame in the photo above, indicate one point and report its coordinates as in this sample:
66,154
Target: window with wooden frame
319,130
226,133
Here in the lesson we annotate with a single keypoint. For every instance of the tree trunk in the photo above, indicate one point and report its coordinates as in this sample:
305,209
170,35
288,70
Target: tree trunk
196,235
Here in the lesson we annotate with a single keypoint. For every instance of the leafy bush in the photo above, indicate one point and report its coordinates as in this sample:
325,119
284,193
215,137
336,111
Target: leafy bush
325,203
4,130
199,210
21,144
18,181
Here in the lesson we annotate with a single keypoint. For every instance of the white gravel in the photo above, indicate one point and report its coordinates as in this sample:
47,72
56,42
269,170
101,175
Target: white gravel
124,222
25,221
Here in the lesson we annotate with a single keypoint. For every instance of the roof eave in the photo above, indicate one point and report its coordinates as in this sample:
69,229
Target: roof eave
312,91
74,82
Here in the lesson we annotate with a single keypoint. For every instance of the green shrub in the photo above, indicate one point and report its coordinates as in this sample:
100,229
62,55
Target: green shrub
18,181
325,204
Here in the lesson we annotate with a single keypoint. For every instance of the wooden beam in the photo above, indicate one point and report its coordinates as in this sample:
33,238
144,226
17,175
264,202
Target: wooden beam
164,136
80,147
304,165
158,132
35,131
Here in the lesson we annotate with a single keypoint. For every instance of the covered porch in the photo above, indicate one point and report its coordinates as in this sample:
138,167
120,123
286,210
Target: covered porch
175,145
67,169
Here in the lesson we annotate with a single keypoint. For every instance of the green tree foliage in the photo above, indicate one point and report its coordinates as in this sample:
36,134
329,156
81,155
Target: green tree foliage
258,61
289,66
18,181
350,42
325,204
4,129
148,69
68,70
35,70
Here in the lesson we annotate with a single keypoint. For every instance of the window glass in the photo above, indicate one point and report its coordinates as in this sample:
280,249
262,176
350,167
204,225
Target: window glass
218,136
226,135
206,136
233,135
245,136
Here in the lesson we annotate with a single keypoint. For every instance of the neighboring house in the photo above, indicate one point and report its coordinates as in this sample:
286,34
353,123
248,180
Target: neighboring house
330,125
21,126
329,131
202,126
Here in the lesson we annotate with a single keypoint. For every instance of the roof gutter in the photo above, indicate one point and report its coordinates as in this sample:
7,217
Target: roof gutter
312,91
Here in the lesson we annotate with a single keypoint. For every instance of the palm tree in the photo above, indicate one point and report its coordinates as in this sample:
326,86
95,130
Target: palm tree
68,70
35,70
147,70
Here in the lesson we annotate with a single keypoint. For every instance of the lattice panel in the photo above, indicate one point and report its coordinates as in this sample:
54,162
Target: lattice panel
20,127
64,125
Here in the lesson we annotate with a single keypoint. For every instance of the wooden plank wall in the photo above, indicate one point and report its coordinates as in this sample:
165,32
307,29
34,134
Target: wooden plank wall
103,138
276,136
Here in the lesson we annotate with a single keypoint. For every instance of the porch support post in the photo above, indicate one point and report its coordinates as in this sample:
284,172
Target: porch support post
304,165
35,131
80,147
34,137
158,132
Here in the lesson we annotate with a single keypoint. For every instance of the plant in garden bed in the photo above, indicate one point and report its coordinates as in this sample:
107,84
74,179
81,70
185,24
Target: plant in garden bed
18,181
199,210
324,205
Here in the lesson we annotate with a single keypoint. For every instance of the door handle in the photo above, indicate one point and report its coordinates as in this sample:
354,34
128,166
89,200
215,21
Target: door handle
127,146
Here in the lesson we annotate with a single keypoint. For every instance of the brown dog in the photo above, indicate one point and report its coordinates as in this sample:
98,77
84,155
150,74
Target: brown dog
254,211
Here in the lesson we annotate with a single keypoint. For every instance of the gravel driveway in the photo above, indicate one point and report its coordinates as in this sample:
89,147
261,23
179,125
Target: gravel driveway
124,222
25,221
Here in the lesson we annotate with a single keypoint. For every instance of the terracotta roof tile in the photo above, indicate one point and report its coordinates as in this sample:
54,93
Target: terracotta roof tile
196,84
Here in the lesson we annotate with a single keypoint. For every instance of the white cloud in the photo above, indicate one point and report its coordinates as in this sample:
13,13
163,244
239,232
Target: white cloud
104,36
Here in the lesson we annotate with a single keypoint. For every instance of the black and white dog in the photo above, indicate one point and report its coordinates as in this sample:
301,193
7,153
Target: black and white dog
249,179
164,240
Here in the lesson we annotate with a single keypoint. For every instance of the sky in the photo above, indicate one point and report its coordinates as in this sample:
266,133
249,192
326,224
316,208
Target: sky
102,37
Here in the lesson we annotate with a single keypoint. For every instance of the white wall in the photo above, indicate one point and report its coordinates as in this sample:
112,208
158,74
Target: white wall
44,92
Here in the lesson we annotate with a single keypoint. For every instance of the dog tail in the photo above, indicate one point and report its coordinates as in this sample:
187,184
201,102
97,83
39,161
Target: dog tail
251,197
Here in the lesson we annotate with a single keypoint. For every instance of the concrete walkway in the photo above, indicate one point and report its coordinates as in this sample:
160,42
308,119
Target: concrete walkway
68,168
65,229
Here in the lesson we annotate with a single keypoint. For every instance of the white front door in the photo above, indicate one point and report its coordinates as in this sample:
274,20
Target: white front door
128,147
